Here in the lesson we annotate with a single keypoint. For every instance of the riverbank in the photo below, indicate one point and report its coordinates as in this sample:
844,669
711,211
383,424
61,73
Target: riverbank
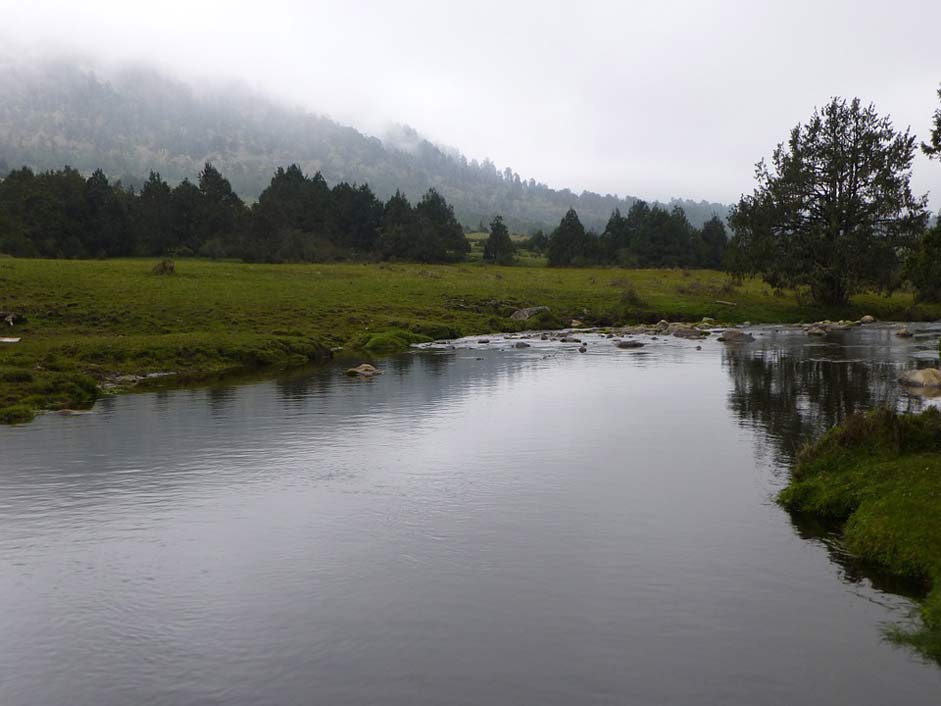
94,327
880,473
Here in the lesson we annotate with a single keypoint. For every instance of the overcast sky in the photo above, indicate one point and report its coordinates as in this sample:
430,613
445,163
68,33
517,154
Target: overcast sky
655,99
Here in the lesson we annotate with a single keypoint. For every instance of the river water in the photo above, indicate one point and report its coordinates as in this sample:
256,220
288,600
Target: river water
482,525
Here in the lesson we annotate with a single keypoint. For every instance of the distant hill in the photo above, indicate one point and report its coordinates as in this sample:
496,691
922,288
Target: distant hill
53,114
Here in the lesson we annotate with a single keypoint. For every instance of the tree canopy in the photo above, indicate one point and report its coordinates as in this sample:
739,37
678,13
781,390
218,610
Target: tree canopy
499,247
923,268
932,148
834,211
297,218
646,237
569,244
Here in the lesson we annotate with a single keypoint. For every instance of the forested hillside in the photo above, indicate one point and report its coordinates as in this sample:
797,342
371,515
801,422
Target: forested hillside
137,121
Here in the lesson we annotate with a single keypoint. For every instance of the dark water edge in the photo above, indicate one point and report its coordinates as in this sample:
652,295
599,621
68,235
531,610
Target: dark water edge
477,525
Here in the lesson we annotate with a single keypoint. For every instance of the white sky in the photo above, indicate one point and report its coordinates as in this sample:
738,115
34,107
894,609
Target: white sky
655,99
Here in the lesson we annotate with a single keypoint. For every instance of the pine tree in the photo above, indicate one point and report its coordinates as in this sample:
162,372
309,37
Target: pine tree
834,212
499,246
569,244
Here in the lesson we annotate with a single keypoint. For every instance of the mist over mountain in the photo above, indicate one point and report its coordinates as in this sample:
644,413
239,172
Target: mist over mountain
135,120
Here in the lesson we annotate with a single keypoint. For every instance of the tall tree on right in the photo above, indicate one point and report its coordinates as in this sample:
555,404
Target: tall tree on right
924,267
834,211
932,148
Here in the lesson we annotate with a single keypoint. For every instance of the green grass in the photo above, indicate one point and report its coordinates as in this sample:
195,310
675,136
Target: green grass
880,472
97,319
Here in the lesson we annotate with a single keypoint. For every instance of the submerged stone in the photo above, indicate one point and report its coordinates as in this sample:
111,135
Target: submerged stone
926,377
734,335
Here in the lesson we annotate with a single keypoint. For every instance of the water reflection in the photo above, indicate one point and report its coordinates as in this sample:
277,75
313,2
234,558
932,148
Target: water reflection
791,388
220,398
853,569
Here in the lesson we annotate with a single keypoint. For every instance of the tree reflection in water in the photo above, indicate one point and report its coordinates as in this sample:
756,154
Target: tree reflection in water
790,392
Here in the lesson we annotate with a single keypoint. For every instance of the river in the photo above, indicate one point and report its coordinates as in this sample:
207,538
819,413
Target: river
478,525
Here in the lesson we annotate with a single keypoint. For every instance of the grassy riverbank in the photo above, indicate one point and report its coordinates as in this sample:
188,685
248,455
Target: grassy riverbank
881,473
105,323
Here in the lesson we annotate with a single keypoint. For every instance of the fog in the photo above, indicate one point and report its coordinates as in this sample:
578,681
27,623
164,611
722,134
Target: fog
656,99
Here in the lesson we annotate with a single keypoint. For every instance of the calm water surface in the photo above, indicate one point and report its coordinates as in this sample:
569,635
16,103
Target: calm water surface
476,526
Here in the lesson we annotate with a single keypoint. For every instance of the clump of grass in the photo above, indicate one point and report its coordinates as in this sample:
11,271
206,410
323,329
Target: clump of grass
543,320
694,289
164,267
880,472
630,296
434,330
391,341
703,289
16,414
13,375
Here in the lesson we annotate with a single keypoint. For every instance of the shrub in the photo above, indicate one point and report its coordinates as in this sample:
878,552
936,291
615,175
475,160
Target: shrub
164,267
16,376
924,267
16,414
630,296
390,341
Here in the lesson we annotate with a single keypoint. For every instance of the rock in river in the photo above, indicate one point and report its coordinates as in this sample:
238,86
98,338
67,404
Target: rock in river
904,333
735,335
926,377
521,344
687,332
630,344
867,319
363,370
523,314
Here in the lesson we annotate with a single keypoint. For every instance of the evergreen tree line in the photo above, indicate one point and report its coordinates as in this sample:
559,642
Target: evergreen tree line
297,218
645,237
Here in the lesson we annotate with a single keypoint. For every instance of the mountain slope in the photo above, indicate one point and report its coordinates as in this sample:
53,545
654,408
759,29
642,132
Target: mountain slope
54,114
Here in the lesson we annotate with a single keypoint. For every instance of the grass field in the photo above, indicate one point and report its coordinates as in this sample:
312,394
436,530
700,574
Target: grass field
91,321
881,473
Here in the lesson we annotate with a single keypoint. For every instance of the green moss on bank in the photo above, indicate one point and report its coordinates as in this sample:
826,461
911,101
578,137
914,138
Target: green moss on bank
388,341
881,473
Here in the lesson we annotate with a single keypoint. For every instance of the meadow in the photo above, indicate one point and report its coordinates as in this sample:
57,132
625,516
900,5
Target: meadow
101,325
